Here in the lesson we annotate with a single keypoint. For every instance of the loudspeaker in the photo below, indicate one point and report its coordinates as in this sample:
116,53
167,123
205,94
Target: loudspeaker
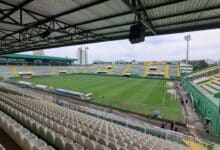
45,34
137,33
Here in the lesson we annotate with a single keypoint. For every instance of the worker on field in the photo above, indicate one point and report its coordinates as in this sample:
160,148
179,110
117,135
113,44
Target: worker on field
111,110
163,125
172,125
207,128
176,129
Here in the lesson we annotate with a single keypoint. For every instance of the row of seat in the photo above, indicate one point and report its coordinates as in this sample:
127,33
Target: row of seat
86,129
21,135
118,69
61,140
137,69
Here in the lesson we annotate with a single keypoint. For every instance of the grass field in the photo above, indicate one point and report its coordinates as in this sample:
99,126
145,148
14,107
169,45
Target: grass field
133,94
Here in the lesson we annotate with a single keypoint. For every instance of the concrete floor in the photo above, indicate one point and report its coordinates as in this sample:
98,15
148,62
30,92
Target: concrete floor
7,142
193,120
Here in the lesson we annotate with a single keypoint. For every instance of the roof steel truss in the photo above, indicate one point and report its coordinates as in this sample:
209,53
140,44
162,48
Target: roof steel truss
43,31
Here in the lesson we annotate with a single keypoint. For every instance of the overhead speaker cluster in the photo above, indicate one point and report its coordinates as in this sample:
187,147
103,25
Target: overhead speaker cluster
137,33
45,34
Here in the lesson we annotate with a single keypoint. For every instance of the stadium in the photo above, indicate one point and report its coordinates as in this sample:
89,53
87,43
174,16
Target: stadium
54,103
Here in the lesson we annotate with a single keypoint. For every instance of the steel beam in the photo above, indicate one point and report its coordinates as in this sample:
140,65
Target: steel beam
15,9
48,19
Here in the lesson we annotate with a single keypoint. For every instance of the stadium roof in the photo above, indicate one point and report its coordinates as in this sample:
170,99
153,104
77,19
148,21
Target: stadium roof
37,24
25,56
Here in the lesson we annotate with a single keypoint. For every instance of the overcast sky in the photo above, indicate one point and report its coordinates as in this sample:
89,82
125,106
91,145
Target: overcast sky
204,44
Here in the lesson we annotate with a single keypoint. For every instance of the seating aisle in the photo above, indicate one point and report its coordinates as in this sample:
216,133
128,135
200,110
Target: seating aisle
6,143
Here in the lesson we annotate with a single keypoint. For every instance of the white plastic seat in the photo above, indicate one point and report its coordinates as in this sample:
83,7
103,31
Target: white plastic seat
50,136
35,127
146,148
89,144
100,147
76,129
83,132
18,138
59,142
62,130
42,131
56,127
113,146
39,145
12,131
27,144
70,135
102,141
49,123
79,139
70,146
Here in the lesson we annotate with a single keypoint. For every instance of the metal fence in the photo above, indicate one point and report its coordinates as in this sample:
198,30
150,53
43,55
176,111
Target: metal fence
203,105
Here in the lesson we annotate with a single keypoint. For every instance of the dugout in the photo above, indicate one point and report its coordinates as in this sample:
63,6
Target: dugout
62,72
25,74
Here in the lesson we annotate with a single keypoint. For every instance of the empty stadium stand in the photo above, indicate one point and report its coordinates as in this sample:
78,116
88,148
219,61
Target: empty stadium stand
137,69
174,71
37,124
41,70
142,70
147,69
111,69
119,69
14,70
5,71
14,64
127,68
211,86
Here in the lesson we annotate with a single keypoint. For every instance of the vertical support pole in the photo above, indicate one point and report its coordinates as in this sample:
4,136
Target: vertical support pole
187,53
21,17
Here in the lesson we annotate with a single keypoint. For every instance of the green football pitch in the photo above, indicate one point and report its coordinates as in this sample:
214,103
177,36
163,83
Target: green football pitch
133,94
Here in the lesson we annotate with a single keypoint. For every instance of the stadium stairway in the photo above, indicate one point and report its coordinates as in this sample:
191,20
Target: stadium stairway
178,70
14,70
105,68
102,67
167,70
216,77
87,69
112,69
158,70
54,69
27,68
127,68
147,70
194,146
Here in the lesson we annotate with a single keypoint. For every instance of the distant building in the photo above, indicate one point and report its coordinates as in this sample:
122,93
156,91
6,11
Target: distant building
82,55
38,52
211,61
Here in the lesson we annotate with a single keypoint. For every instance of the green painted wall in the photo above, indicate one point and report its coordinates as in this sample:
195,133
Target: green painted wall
203,105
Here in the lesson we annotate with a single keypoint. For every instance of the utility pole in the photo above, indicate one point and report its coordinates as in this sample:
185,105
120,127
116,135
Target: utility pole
187,39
